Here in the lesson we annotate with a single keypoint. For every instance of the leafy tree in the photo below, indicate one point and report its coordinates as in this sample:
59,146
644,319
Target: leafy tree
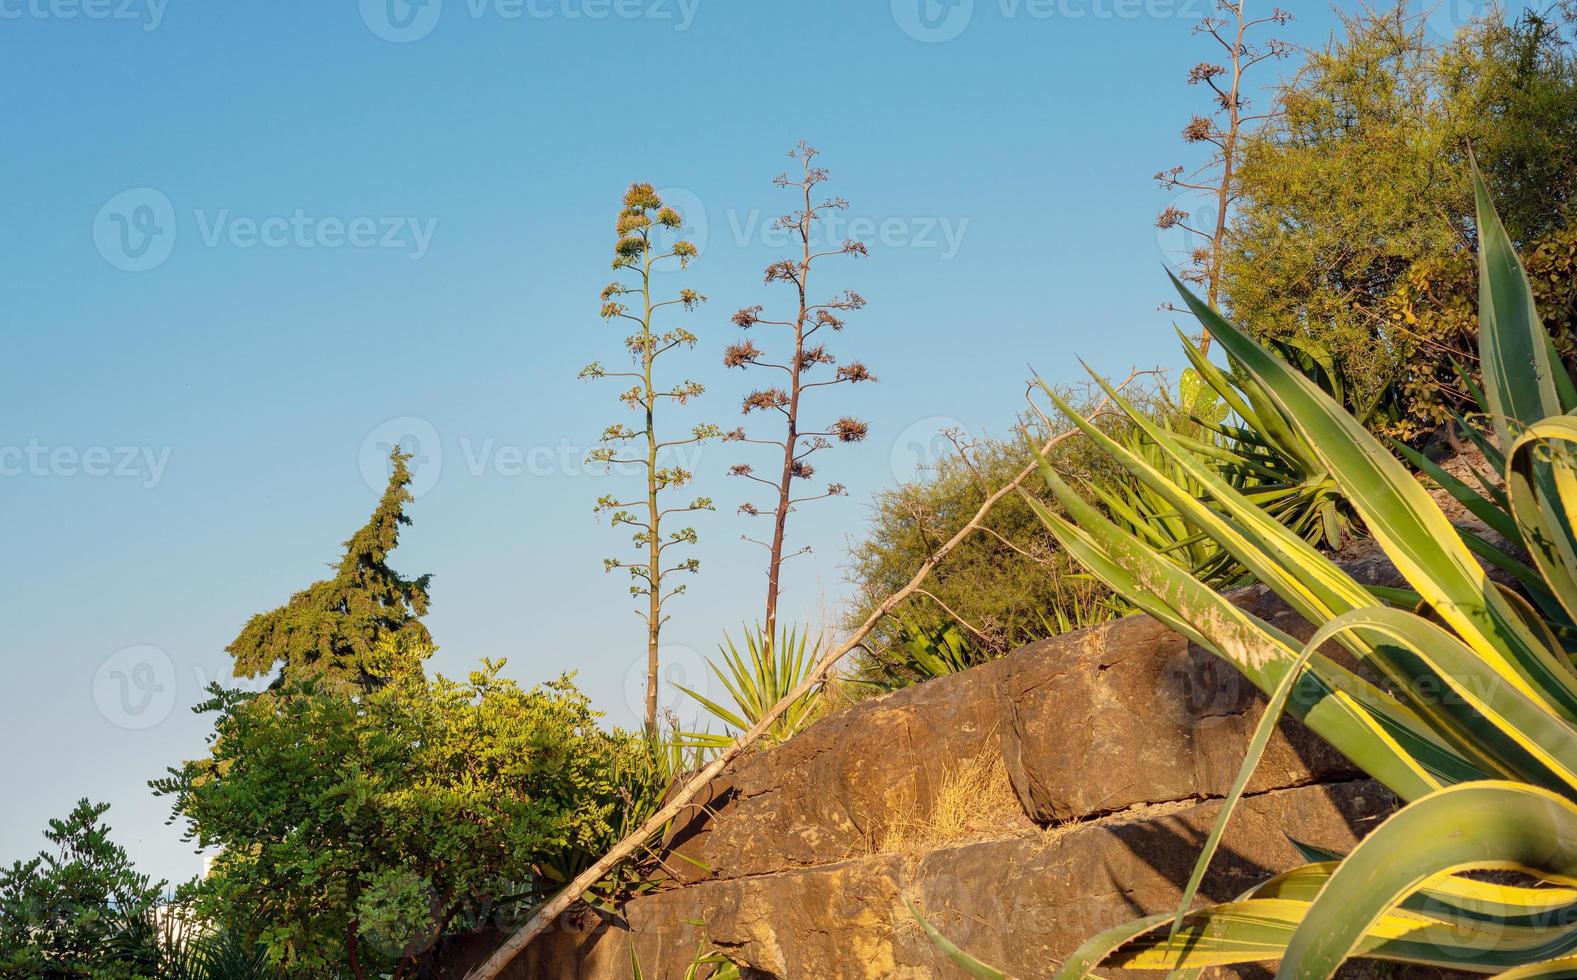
329,630
1329,229
639,251
64,913
356,829
797,365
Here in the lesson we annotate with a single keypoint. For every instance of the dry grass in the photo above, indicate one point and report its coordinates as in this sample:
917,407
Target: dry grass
975,800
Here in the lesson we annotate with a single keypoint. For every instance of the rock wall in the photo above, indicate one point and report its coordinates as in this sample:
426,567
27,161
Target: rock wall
1117,743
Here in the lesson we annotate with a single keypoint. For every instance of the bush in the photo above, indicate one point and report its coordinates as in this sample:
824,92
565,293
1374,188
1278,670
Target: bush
1008,585
67,912
356,829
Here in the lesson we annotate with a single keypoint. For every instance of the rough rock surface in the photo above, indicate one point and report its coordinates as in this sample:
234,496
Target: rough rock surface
1021,902
1118,741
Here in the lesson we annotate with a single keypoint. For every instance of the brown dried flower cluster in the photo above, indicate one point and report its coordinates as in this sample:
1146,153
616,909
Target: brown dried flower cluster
738,355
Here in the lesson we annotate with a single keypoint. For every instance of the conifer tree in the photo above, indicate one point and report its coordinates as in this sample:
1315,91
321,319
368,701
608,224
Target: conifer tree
638,251
329,631
804,357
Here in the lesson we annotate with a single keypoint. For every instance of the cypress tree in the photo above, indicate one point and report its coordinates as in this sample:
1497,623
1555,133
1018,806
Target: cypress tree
328,631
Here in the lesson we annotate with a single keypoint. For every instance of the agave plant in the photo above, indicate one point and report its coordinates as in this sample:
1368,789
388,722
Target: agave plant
757,678
1474,725
1231,425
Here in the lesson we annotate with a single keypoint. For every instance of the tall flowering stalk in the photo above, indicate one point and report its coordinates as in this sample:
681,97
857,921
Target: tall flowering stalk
1222,131
800,372
637,254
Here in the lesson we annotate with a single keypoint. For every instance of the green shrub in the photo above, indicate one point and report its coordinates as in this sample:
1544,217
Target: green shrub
356,829
69,911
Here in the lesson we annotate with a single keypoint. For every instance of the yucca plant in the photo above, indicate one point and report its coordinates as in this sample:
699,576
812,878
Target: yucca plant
1474,724
757,678
919,651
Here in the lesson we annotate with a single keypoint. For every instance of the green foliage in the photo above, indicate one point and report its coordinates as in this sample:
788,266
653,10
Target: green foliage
1015,584
757,678
357,828
1475,723
643,769
179,946
1007,582
1331,248
328,631
66,912
920,651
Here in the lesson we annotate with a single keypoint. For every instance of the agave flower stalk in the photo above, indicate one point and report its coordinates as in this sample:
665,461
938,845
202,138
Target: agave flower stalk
638,252
806,356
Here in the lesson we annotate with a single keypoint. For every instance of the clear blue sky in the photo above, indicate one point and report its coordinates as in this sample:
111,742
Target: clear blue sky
240,239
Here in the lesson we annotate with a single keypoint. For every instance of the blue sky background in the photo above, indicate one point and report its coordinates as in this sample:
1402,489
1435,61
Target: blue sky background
251,384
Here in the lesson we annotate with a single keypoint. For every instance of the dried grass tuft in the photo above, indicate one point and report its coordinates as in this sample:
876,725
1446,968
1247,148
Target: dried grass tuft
975,800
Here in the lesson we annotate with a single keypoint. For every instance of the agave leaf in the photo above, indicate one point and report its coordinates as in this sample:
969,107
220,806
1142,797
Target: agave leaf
1415,535
1256,749
1526,577
1514,347
1486,825
1492,453
1098,947
1485,510
716,709
1359,720
961,959
1449,897
1260,929
1518,731
1543,498
1312,584
1265,546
